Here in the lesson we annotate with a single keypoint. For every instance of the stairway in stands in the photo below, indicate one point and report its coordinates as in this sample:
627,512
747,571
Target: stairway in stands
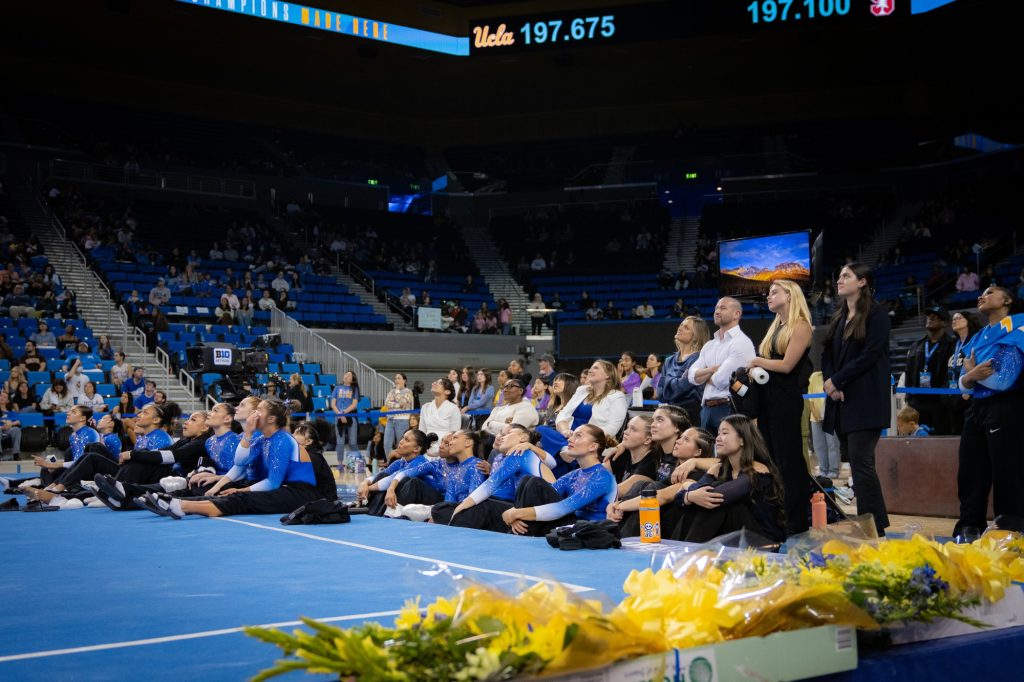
681,253
491,263
369,297
95,305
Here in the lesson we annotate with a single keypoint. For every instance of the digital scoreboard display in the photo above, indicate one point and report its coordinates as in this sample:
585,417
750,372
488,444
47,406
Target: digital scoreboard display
663,20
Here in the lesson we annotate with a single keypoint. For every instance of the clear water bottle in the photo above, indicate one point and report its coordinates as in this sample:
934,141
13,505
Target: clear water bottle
359,464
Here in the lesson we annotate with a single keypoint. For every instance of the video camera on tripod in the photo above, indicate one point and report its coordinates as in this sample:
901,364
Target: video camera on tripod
238,365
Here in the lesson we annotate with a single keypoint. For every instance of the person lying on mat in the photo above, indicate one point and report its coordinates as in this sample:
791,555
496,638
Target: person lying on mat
457,471
742,491
286,477
412,451
517,457
582,494
693,445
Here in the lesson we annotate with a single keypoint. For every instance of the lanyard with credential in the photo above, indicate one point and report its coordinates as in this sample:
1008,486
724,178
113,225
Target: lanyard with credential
929,352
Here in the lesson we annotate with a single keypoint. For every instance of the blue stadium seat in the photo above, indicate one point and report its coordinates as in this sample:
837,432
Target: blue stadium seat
30,419
329,379
320,404
106,390
38,377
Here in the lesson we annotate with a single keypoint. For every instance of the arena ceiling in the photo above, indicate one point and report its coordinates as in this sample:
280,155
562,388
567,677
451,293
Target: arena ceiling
166,54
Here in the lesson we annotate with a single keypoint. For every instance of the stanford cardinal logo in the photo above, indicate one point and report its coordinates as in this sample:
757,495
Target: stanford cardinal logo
883,8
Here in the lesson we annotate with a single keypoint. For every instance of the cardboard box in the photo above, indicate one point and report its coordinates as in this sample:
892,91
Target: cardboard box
783,656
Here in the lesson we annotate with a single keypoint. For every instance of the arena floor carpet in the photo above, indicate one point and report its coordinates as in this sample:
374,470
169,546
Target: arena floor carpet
113,596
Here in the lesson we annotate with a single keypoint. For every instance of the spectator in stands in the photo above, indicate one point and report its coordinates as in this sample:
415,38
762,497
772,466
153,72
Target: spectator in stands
453,376
652,376
599,402
43,336
103,348
593,313
10,425
440,416
345,401
665,278
31,360
546,368
228,300
516,410
481,397
407,300
644,311
540,397
68,338
88,359
855,366
516,371
629,377
215,252
283,302
538,263
299,393
504,317
245,312
6,352
267,302
147,396
135,384
25,398
47,304
91,399
479,321
56,398
51,279
928,367
399,398
125,405
69,305
280,283
610,312
563,387
968,281
18,303
222,314
121,370
15,377
160,294
75,380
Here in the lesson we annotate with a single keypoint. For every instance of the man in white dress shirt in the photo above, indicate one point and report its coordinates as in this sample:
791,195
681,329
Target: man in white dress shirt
728,350
514,410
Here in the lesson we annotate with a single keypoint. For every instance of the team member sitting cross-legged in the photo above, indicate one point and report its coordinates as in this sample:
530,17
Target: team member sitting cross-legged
518,457
742,491
287,476
582,494
411,451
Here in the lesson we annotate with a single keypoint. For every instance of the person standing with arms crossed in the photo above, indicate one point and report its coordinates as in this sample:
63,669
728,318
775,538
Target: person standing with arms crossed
855,366
728,350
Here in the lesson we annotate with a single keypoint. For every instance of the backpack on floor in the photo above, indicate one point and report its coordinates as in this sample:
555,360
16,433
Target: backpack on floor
33,438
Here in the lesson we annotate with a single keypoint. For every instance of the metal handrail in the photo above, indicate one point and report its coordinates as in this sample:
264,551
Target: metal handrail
358,274
332,359
169,181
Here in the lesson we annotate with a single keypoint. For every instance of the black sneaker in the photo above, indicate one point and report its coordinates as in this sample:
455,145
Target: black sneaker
107,492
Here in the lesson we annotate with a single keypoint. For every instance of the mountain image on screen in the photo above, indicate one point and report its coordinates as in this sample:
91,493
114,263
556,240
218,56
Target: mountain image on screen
748,266
794,271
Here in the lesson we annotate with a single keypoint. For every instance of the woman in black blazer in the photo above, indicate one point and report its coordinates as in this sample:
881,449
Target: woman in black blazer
855,366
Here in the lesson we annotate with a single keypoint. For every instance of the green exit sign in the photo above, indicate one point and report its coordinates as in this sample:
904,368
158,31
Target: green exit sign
371,181
691,176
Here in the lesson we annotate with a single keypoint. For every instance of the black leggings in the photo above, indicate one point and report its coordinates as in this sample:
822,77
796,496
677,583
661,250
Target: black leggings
87,466
670,512
415,491
483,516
533,491
284,500
859,448
699,524
991,458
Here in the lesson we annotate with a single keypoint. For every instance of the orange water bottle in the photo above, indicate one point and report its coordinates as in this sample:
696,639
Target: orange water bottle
819,515
650,517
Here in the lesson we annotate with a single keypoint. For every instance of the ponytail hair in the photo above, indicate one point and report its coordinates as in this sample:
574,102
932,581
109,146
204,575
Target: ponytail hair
532,436
603,440
423,440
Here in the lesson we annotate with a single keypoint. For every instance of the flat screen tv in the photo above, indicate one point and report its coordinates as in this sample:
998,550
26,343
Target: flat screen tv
748,266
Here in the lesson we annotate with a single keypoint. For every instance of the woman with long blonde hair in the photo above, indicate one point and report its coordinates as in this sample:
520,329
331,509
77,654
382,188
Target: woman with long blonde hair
785,353
674,387
600,402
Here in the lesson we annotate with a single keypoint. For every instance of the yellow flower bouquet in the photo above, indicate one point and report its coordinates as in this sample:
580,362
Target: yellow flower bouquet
708,596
